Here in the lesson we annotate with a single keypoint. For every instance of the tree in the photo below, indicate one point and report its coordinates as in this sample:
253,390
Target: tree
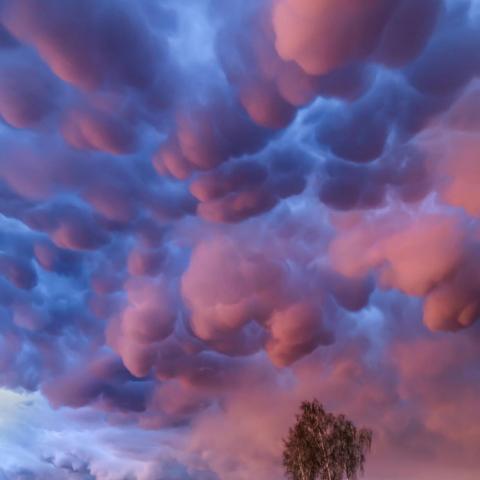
322,446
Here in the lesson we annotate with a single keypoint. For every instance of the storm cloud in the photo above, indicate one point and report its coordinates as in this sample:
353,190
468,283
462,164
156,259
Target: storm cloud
211,211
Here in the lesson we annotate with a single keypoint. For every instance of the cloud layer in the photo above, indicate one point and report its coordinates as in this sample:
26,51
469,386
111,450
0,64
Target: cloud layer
211,211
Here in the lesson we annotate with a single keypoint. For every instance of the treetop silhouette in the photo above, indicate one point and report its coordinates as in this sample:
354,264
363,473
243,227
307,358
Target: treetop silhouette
323,446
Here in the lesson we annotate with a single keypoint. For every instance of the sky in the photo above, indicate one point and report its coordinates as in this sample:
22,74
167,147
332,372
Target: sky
212,210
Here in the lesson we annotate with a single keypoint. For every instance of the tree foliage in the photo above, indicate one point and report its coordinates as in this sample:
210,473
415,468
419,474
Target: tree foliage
322,446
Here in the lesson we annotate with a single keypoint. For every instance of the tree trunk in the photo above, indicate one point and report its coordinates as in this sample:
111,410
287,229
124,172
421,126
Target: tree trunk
302,469
326,458
304,477
322,445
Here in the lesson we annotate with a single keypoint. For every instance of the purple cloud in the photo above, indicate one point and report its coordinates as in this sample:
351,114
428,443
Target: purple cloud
211,211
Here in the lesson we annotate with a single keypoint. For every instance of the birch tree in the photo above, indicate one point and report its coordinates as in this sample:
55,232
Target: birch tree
322,446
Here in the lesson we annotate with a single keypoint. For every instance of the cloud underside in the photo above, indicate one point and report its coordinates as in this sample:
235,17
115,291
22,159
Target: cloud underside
210,211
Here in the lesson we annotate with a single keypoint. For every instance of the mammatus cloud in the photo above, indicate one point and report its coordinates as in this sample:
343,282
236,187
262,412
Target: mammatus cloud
210,211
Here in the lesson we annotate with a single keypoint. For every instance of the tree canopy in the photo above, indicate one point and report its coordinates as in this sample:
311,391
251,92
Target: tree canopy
323,446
